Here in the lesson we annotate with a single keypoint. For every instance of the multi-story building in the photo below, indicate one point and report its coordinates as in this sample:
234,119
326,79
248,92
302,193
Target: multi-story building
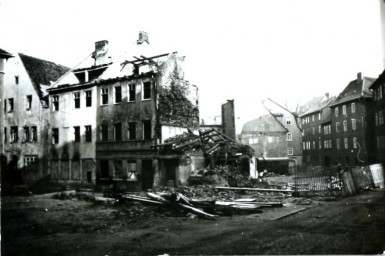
107,120
378,89
25,115
316,131
276,140
352,125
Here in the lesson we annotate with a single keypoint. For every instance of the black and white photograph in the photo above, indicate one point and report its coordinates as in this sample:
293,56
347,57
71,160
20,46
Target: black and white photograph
166,127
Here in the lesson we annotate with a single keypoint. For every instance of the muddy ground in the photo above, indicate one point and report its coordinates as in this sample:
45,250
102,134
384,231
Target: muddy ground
37,225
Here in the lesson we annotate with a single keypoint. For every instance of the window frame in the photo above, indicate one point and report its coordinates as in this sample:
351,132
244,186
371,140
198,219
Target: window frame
87,133
131,92
28,102
55,136
115,128
76,98
353,107
148,90
104,96
117,100
88,97
77,134
55,102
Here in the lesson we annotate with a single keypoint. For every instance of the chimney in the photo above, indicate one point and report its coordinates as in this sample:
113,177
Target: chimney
100,53
327,95
359,77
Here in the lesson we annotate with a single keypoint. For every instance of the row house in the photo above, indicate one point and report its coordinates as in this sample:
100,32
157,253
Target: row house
378,89
24,115
316,131
352,124
108,118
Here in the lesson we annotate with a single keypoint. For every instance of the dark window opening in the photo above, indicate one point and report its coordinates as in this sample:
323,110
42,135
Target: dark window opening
104,132
76,133
104,169
5,134
29,102
118,170
118,94
34,133
104,94
14,134
146,90
147,130
26,137
131,131
5,106
118,131
55,136
11,105
16,79
77,99
88,98
55,103
131,92
88,133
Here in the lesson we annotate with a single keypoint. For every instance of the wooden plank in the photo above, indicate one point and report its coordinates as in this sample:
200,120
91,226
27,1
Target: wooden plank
255,189
289,214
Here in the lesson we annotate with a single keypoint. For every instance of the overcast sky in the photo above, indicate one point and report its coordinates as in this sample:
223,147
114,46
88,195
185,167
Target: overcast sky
289,50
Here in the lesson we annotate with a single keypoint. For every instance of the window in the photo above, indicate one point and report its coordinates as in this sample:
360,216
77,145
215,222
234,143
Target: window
376,117
319,116
338,143
131,131
303,145
118,131
346,143
330,144
147,90
33,133
319,144
325,144
88,133
353,106
26,137
5,105
308,145
354,142
345,126
319,129
77,99
337,127
5,134
118,94
290,151
104,95
336,112
312,118
131,171
313,144
344,109
14,134
118,174
55,103
131,92
76,133
88,98
146,129
30,160
379,93
313,130
354,125
104,132
29,102
289,137
288,122
380,117
11,105
16,79
104,169
55,136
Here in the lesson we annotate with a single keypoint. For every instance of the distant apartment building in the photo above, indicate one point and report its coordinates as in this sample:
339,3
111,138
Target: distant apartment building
316,131
378,89
352,125
25,114
107,120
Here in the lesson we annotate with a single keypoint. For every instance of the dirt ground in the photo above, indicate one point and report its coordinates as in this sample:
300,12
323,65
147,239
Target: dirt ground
37,225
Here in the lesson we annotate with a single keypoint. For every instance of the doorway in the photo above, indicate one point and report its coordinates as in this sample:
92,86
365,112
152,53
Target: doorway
147,174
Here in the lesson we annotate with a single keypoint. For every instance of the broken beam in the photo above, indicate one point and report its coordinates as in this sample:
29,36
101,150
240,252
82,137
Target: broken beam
255,189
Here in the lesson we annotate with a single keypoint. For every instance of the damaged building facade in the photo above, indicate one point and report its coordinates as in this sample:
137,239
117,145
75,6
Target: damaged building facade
107,119
24,116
